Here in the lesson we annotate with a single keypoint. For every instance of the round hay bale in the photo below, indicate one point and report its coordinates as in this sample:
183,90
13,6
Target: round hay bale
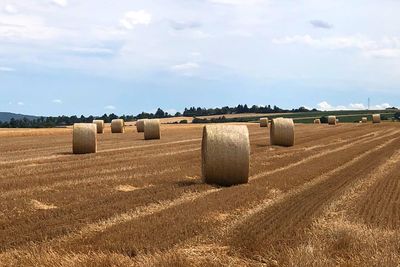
282,132
264,122
332,120
225,154
364,119
140,125
376,118
317,121
152,129
99,125
117,126
84,138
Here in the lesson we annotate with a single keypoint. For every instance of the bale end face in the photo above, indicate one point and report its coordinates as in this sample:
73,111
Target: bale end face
152,129
99,125
282,132
317,121
364,119
264,122
332,120
117,126
84,138
376,118
225,154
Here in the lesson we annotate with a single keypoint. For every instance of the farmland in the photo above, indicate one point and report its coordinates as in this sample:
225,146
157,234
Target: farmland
332,199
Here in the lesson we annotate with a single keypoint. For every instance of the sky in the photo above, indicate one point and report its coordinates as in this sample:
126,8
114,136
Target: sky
93,57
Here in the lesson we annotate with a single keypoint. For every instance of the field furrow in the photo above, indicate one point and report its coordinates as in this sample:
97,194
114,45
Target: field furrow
380,206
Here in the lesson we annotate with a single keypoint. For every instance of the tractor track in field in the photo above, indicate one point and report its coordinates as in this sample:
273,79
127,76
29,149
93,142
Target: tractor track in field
379,206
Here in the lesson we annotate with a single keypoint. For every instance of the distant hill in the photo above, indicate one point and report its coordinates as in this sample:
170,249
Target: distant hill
7,116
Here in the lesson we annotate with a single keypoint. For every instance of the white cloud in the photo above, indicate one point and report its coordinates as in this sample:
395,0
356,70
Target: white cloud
185,66
90,50
357,106
60,3
23,27
330,42
236,2
57,101
171,111
7,69
20,103
325,106
384,53
186,69
110,107
133,18
10,9
382,106
195,54
383,48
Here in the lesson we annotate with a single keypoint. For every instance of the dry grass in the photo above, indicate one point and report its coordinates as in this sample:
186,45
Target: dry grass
330,200
126,188
37,205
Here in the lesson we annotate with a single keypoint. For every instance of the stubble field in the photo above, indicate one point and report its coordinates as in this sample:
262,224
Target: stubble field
332,199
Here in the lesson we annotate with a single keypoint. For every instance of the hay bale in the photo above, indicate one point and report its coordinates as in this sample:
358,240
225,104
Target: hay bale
376,118
140,125
364,119
282,132
225,154
152,129
264,122
99,125
332,120
84,138
317,121
117,126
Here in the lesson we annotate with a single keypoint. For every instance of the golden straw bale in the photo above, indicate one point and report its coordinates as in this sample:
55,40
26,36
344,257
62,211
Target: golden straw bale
84,139
282,132
332,120
376,118
117,126
317,121
264,122
364,119
140,125
99,125
152,129
225,154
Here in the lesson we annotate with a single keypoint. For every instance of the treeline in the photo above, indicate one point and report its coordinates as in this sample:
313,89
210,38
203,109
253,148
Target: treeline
195,112
60,121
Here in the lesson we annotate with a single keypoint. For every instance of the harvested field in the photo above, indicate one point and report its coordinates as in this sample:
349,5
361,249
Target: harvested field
332,199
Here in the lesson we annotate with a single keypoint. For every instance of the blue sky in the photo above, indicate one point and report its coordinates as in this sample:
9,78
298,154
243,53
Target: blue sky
97,56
